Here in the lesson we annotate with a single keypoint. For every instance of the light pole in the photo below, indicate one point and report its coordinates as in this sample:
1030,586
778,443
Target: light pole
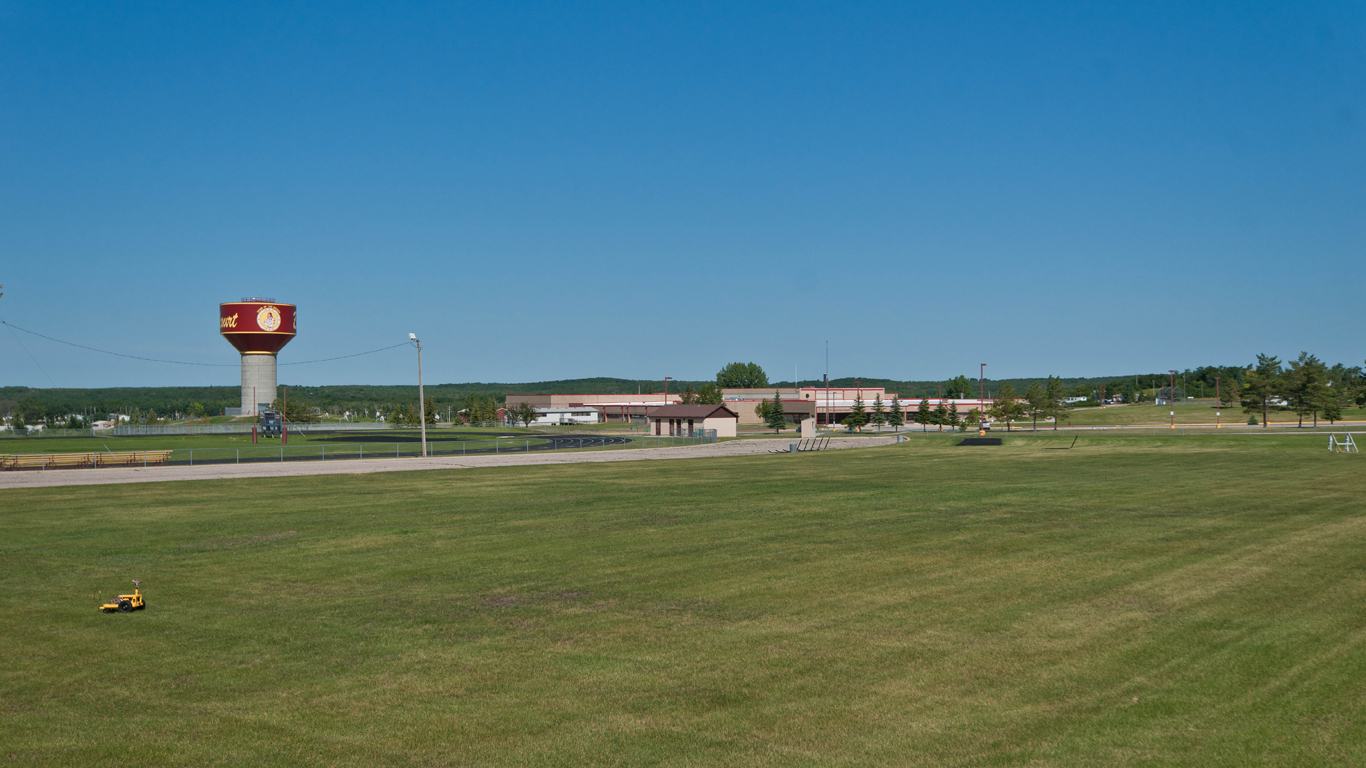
1171,399
1217,402
981,386
421,400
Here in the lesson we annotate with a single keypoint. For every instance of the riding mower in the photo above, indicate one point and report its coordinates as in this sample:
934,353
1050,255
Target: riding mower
126,603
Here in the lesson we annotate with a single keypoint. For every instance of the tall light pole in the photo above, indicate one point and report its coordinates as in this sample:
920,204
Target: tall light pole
421,399
1217,402
981,386
1171,398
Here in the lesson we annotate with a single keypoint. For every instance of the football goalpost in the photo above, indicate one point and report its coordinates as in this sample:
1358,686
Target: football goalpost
1345,445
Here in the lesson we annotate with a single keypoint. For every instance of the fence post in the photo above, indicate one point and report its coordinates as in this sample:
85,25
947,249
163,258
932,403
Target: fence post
192,457
360,454
324,453
528,445
282,454
239,455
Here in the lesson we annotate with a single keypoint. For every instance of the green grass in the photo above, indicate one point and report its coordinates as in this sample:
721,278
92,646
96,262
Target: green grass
227,442
1188,412
1153,601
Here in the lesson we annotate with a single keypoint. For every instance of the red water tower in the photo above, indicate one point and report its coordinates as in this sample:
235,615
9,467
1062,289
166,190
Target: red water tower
258,328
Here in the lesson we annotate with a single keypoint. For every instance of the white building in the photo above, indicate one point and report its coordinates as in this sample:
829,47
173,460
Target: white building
567,414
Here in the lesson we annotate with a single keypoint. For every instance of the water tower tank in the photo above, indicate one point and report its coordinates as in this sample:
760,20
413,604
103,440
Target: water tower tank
258,328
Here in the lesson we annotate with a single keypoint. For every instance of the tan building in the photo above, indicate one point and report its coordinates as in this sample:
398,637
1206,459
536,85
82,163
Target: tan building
827,406
612,407
686,420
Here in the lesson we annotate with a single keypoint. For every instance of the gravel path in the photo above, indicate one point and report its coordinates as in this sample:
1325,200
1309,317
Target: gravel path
106,476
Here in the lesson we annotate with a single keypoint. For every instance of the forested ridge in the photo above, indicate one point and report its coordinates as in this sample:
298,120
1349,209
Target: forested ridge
47,404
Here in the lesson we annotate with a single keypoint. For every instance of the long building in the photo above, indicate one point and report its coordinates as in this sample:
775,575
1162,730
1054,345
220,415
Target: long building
827,406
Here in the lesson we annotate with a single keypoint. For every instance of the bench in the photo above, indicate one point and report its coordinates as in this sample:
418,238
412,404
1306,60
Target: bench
134,458
47,461
83,460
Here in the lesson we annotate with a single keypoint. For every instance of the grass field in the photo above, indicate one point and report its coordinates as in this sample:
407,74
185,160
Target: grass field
1153,601
1189,412
38,444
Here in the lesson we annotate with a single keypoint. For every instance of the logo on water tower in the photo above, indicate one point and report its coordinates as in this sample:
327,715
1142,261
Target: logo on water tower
268,318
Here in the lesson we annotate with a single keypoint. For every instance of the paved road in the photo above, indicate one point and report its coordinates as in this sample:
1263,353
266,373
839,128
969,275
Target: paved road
106,476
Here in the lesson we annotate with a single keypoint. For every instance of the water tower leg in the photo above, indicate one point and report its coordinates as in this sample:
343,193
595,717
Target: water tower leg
258,377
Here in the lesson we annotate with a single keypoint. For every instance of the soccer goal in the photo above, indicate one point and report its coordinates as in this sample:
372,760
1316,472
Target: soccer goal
1344,445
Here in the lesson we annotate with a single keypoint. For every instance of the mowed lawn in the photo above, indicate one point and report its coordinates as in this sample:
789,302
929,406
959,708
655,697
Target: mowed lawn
1132,601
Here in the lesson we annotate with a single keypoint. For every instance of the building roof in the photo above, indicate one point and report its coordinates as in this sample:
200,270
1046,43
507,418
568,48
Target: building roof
692,412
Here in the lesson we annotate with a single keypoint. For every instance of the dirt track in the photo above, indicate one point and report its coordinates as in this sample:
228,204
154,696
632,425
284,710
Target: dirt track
63,477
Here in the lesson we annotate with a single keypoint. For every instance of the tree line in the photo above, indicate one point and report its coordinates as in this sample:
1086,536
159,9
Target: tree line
1307,386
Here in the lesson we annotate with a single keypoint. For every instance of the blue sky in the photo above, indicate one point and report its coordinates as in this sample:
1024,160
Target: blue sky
557,190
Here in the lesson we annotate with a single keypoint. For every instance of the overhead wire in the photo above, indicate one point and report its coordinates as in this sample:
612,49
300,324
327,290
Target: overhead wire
14,327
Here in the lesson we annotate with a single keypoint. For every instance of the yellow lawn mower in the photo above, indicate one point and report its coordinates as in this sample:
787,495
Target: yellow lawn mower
126,603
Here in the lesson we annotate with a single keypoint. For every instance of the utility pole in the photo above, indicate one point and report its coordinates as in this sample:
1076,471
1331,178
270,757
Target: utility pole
421,401
981,386
1171,398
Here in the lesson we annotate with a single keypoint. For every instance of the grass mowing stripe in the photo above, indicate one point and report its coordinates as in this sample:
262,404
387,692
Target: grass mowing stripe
1158,600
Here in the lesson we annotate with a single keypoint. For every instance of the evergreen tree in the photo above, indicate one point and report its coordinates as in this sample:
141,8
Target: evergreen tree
1036,402
879,413
1332,407
776,420
1055,401
896,417
688,396
941,414
1004,407
1261,385
858,416
1308,386
923,417
953,416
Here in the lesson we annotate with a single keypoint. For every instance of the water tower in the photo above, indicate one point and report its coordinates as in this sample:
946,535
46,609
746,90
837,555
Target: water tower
258,328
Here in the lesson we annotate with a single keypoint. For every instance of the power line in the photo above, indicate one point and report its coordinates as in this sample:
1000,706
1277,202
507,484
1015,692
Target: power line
107,352
343,357
14,327
30,355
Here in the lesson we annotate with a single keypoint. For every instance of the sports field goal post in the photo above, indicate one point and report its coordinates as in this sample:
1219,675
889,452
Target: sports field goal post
1344,445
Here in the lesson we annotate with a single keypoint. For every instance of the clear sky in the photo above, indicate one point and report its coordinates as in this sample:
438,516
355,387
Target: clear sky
557,190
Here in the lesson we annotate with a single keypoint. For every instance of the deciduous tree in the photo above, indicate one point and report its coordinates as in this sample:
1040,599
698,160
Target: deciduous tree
709,394
742,376
959,388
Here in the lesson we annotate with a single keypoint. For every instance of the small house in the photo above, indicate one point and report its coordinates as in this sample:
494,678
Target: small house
688,420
